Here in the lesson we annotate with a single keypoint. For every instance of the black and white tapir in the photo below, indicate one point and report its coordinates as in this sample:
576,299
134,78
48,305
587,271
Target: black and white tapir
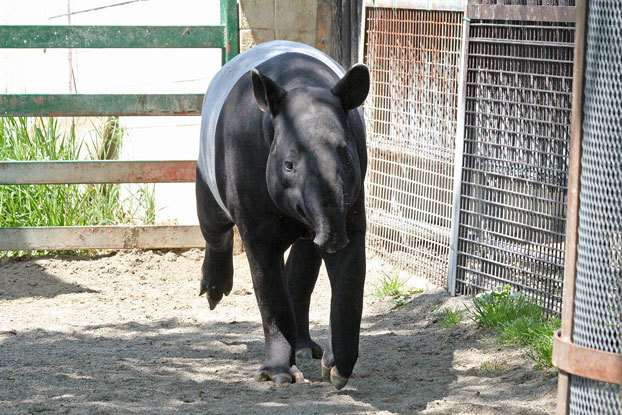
283,157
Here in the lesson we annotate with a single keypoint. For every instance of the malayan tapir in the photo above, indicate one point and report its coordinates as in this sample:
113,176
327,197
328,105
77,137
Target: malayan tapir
283,157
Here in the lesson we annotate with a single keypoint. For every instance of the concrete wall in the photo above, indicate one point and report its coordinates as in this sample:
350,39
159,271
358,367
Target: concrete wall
265,20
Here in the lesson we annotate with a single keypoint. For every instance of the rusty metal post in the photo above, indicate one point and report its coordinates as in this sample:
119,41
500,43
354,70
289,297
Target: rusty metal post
572,224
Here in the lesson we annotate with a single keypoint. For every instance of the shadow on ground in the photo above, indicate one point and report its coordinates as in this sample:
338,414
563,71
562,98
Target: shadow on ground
30,278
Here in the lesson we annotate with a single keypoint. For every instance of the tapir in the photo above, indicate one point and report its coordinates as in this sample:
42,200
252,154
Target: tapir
283,157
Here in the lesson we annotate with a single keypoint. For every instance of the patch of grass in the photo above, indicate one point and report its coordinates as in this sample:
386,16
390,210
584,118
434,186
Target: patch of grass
393,286
517,321
24,139
490,366
451,317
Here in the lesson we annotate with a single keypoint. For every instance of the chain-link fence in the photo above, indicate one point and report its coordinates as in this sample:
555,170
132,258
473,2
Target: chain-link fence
411,112
598,293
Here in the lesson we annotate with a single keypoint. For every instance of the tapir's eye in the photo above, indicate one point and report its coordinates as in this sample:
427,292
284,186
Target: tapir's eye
289,166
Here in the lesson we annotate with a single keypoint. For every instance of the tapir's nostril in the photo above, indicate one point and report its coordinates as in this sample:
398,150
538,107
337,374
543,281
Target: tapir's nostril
332,243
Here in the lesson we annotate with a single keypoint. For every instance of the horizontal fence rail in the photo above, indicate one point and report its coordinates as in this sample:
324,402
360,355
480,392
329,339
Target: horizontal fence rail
101,237
86,105
83,172
224,37
24,37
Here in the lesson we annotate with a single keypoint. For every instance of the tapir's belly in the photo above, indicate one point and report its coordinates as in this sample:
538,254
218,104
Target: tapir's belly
221,86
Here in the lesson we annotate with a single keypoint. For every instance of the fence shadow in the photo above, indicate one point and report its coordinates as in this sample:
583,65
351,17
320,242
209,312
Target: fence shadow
20,278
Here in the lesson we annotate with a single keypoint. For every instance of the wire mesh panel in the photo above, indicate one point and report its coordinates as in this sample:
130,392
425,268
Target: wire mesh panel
598,295
411,112
515,165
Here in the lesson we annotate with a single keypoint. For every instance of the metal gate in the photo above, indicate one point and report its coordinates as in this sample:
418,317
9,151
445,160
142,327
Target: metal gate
512,205
414,57
223,36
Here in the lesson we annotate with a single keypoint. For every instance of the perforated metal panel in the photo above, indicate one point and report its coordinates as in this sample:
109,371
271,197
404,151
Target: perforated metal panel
515,165
598,296
411,111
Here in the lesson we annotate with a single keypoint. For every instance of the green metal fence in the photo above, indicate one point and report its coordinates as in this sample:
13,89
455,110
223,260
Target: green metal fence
223,36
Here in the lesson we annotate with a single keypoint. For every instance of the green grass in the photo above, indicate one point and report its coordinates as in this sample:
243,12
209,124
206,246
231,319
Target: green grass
517,321
393,286
451,317
27,139
491,366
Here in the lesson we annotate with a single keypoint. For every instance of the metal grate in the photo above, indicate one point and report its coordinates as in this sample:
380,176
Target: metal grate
598,296
515,165
411,113
526,2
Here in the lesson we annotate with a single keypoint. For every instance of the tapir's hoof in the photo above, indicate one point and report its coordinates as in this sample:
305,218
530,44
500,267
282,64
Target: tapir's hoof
280,378
315,352
213,299
335,378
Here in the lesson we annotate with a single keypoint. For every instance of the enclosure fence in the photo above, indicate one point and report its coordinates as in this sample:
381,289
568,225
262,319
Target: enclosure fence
515,159
223,36
468,122
411,113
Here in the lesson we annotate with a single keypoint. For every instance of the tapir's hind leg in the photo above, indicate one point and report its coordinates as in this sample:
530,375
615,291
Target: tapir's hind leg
217,269
301,269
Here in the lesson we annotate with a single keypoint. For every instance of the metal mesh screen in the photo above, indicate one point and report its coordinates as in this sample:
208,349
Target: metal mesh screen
411,112
598,296
515,165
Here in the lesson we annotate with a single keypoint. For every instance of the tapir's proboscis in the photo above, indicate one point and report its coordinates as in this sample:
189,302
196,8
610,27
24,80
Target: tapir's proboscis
283,157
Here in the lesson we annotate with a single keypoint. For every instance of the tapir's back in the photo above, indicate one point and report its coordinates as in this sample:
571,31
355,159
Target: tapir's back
226,79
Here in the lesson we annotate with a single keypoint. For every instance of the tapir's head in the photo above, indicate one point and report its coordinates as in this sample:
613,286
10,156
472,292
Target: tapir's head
313,171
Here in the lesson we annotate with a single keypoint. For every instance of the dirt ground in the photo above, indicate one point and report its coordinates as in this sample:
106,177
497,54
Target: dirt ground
127,333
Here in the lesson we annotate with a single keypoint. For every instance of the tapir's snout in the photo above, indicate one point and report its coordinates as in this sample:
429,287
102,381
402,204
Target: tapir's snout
331,242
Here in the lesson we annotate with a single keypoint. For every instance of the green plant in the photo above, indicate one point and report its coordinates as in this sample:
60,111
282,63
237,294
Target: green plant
451,317
393,286
516,321
490,366
23,139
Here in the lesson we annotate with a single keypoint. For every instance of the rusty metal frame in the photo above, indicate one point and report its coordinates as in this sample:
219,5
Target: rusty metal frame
572,220
586,362
224,36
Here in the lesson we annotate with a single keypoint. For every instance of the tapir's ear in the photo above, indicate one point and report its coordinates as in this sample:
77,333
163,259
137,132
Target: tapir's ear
353,87
268,93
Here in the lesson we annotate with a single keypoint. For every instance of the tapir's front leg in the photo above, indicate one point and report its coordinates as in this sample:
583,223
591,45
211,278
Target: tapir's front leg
346,270
277,314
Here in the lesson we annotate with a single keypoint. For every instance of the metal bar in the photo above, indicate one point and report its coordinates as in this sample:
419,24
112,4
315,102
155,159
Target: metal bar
506,176
458,162
28,37
82,172
37,105
531,13
521,42
100,237
229,18
507,281
574,184
586,362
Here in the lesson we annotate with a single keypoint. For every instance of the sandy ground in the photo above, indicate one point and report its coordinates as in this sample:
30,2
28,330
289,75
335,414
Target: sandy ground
127,333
